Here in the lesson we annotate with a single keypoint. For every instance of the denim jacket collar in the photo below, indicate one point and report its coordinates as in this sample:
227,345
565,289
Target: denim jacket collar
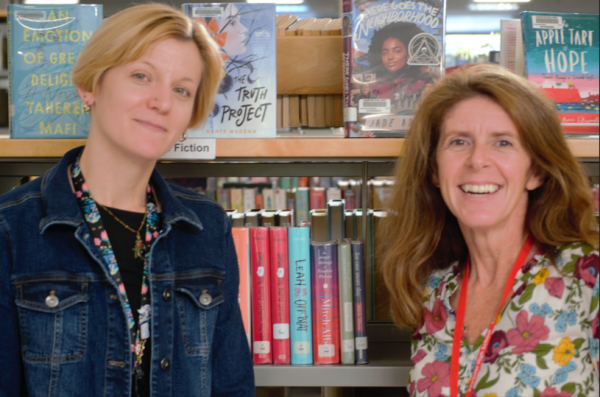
62,206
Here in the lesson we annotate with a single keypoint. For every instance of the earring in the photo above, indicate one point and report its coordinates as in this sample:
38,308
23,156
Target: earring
183,137
86,108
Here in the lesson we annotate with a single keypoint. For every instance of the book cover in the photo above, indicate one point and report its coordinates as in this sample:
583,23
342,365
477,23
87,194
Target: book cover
301,206
561,57
393,51
285,218
236,199
511,46
44,42
245,106
249,199
346,302
258,199
325,287
280,295
241,241
269,218
253,218
300,295
269,199
280,199
238,219
262,331
223,198
317,198
358,285
336,222
333,193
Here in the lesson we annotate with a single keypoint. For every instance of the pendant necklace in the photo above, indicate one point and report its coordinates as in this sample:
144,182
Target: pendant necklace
138,248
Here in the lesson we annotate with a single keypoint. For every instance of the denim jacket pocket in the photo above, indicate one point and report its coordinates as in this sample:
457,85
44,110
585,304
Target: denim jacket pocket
53,318
198,300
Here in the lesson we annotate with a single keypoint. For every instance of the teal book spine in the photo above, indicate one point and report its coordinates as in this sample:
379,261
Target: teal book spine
300,295
346,302
302,204
44,44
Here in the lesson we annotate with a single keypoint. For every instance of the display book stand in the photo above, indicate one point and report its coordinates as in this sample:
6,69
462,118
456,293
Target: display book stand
389,347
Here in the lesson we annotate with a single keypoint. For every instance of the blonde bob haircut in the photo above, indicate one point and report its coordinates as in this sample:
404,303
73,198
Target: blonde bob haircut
125,37
421,235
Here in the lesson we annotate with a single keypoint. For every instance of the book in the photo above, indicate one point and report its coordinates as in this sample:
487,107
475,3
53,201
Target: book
258,200
317,198
318,226
280,295
300,295
346,302
301,206
358,286
223,198
269,218
561,57
511,46
366,235
336,213
290,199
325,287
269,199
238,219
280,199
245,106
236,199
253,218
285,218
44,42
333,193
393,51
241,241
261,296
382,295
381,190
350,225
349,199
249,198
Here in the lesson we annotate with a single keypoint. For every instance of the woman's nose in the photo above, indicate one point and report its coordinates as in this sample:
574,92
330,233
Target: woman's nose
160,98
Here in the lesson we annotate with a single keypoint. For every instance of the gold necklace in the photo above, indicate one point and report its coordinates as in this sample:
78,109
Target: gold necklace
139,245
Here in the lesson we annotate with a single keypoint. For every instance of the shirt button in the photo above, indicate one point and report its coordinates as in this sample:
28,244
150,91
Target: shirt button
205,298
165,364
52,300
167,294
113,297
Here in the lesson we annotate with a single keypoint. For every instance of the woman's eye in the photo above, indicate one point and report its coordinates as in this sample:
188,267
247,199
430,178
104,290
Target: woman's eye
140,76
504,143
182,91
458,142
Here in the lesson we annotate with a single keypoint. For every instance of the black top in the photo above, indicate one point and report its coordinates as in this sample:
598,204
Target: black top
132,271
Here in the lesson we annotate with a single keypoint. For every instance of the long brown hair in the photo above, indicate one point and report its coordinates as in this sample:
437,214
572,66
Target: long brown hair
421,235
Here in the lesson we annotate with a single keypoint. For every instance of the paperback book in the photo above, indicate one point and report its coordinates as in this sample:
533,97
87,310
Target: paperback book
280,295
245,106
261,296
393,51
44,42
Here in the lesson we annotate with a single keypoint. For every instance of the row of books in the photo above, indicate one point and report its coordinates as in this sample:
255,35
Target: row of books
306,291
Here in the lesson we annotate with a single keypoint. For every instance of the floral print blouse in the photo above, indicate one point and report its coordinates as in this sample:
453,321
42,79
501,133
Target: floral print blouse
545,344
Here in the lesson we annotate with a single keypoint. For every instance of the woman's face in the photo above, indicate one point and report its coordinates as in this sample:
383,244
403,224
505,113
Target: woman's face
231,24
484,172
143,107
393,54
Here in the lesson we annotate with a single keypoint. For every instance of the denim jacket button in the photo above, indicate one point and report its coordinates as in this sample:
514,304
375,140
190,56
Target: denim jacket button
205,299
113,297
52,300
167,294
165,364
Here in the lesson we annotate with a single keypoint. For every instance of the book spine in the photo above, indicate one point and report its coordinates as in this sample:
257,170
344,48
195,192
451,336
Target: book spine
241,238
236,199
325,287
346,303
350,112
300,295
280,199
317,199
280,295
269,199
249,200
302,206
261,296
360,315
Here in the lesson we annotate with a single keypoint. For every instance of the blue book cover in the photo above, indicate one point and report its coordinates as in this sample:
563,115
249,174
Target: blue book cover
302,204
300,295
360,313
44,42
561,58
246,104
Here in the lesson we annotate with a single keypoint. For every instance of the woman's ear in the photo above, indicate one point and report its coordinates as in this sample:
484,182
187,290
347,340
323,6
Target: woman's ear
434,179
86,96
536,179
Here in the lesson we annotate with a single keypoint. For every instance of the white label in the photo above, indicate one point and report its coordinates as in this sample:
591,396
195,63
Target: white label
326,350
546,22
280,272
207,12
301,347
262,347
31,15
350,115
281,331
145,331
348,317
348,345
193,149
261,271
374,106
361,343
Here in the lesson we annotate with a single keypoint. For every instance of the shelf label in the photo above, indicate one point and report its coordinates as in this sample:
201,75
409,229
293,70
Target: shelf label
193,149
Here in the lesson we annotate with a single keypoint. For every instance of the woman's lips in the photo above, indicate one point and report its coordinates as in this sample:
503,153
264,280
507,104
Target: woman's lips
152,126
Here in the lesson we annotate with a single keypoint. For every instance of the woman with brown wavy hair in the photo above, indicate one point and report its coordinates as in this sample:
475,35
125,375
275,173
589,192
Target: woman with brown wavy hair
489,199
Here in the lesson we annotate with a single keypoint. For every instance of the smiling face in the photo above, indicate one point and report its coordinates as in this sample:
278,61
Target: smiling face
143,107
393,54
484,172
231,23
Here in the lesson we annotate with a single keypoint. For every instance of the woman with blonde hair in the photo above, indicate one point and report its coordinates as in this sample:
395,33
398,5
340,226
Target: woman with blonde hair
112,281
491,256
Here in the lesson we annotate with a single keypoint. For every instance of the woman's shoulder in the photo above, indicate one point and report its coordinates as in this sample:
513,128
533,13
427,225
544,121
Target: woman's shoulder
441,284
21,194
572,259
197,202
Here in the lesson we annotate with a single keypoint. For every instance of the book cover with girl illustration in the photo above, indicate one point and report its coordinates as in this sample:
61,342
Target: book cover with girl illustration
393,52
246,104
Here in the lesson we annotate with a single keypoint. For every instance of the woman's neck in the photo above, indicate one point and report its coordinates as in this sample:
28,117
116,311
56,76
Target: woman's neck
115,178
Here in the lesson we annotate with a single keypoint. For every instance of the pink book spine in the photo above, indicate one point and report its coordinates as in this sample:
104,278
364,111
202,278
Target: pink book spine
317,199
261,296
280,295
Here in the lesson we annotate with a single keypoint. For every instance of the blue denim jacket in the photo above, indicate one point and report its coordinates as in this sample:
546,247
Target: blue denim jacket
80,347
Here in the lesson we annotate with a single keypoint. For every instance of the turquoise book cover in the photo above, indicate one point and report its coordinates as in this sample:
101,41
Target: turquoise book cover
300,295
302,204
246,104
561,58
44,44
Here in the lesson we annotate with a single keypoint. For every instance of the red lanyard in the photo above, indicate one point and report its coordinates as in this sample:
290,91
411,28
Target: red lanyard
460,317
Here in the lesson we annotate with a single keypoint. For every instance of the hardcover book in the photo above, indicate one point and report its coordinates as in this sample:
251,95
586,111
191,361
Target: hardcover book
261,296
561,57
241,241
317,198
360,318
346,302
393,51
336,220
280,295
302,204
369,259
300,295
44,42
325,289
245,106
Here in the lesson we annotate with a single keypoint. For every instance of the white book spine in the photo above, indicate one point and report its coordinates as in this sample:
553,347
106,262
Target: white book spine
333,193
511,46
280,199
249,199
